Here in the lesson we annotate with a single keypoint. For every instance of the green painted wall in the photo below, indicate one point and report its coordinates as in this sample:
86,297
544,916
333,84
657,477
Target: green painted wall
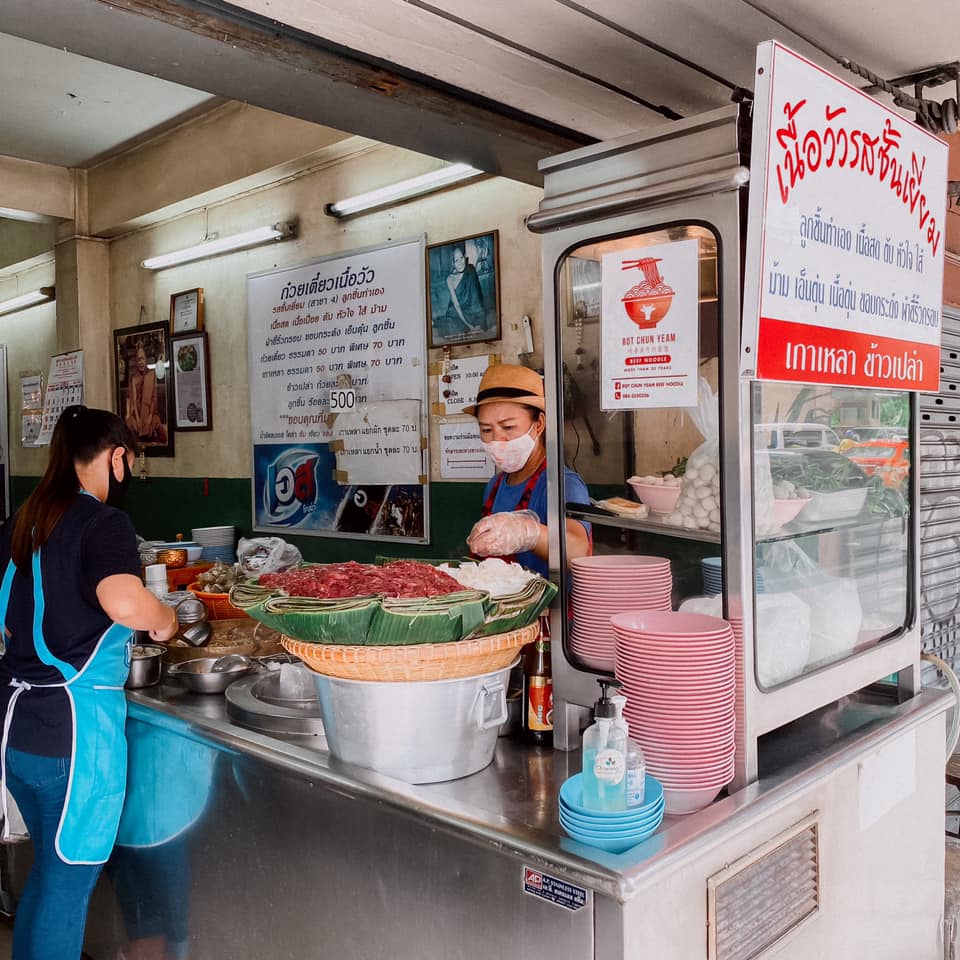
162,507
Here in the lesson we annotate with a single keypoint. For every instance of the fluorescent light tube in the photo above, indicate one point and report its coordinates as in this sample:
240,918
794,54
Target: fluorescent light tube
43,295
211,248
404,190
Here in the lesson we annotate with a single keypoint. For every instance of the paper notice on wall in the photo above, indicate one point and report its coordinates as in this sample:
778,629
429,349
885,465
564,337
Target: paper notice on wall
458,382
382,443
650,327
64,389
31,407
461,454
886,778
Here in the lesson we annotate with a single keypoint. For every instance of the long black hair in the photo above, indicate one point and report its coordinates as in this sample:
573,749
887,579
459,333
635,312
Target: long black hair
80,435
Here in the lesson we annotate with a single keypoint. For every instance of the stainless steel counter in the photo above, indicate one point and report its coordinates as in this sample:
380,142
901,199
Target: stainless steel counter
512,804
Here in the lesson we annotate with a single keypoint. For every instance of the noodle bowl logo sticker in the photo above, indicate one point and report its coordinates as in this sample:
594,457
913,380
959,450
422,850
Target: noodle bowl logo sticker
649,301
290,493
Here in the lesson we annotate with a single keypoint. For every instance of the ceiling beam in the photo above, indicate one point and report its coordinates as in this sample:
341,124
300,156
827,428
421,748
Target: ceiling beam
36,192
208,47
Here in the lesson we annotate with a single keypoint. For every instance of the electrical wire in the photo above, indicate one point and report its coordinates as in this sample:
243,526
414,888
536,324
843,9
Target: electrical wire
576,452
954,735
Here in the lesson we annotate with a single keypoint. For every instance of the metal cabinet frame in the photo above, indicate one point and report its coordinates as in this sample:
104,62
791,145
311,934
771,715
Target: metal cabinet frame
688,172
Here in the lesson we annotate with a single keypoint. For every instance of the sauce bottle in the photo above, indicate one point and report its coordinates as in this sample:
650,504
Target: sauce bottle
538,693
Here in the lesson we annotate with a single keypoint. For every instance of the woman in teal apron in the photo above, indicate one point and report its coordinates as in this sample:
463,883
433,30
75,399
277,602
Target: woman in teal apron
510,411
70,599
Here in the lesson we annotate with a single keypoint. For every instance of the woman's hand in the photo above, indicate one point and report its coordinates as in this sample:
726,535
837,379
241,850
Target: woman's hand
504,534
163,634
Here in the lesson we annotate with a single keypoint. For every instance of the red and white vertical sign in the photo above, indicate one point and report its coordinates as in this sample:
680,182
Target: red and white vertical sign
650,326
846,233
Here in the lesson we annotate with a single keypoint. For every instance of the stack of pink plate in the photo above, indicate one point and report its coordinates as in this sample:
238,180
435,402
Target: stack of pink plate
679,677
713,606
605,586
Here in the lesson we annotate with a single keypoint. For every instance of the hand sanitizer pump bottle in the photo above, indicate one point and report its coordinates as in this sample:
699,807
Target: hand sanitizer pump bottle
605,756
636,762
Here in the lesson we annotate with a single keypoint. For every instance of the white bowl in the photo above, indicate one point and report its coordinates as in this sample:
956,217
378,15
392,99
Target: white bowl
193,553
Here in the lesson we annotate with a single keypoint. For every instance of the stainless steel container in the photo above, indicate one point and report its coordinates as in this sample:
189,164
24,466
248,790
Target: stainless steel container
146,666
420,732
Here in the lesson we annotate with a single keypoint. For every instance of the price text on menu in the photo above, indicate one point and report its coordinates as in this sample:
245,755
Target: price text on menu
846,235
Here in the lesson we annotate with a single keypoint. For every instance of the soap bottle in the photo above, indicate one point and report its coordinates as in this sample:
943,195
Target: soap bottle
605,756
636,762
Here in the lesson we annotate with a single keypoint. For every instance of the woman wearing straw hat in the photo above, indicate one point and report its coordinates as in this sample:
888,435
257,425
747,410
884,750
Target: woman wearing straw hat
510,410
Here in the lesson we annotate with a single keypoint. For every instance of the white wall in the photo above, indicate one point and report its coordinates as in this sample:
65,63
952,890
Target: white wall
31,338
475,208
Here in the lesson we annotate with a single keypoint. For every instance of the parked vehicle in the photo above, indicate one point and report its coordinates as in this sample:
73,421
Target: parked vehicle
791,436
887,459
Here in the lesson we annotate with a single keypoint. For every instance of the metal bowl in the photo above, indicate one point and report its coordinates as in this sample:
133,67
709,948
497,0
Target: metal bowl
199,676
146,663
172,558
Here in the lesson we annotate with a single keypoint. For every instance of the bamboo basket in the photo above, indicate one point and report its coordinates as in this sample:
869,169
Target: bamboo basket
424,661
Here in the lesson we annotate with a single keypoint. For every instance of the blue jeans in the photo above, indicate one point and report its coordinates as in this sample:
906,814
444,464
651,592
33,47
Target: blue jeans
52,912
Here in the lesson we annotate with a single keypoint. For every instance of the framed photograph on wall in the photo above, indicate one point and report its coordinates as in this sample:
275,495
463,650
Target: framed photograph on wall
463,282
191,382
141,366
186,311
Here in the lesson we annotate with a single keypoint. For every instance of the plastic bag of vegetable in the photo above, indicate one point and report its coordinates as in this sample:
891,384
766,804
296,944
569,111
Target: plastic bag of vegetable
836,614
260,555
698,507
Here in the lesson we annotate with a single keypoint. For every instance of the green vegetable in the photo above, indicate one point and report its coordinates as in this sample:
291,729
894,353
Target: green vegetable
819,471
884,502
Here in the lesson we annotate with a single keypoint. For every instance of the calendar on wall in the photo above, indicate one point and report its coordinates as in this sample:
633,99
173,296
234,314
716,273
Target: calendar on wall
64,389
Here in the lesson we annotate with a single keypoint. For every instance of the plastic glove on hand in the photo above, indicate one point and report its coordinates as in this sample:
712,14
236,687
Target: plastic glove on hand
504,534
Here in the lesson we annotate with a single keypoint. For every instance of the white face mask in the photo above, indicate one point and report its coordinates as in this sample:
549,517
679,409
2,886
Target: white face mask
511,455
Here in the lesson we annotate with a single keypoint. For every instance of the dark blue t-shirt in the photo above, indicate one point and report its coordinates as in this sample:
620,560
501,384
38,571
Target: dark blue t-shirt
91,542
508,497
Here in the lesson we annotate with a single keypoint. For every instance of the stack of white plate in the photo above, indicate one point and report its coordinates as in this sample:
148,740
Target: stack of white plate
604,586
217,543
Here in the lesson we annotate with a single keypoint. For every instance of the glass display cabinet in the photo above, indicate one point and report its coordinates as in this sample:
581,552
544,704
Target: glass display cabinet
796,503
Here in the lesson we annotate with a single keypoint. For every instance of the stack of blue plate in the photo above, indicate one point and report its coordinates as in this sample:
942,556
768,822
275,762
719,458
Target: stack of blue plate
614,831
712,570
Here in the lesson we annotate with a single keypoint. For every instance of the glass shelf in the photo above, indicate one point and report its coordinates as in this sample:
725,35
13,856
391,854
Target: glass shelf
579,511
798,529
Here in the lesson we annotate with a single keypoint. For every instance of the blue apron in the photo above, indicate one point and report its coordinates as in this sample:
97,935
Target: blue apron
98,757
169,778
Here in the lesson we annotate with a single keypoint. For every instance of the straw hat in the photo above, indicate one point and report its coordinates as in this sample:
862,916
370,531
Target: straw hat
509,383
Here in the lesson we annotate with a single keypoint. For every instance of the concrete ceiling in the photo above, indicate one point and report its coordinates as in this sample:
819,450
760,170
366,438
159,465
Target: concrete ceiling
598,66
583,69
68,110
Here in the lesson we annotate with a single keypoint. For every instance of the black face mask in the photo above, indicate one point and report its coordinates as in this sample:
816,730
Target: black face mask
117,489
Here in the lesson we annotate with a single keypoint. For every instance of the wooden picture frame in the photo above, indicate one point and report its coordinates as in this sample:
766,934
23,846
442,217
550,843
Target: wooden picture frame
190,365
186,311
472,266
144,390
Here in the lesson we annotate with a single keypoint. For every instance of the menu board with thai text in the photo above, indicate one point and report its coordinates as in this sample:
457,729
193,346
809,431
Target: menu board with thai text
329,337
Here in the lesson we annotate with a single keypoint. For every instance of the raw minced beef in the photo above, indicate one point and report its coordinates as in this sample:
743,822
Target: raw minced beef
403,579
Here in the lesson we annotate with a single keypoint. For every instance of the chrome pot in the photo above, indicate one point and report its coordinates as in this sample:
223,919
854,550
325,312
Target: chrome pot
146,665
417,731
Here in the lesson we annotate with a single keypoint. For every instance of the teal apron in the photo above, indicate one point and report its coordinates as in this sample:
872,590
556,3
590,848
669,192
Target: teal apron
98,758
